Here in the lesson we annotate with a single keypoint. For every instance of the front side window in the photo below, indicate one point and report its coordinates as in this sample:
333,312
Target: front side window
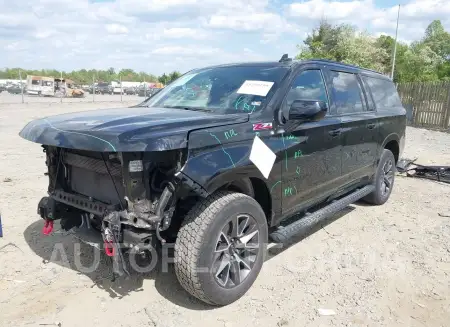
223,90
308,85
346,92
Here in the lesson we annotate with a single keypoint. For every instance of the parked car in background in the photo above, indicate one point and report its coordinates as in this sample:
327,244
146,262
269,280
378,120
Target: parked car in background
16,89
130,90
104,88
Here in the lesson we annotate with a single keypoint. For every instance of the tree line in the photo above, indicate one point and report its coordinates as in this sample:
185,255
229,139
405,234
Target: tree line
427,59
84,76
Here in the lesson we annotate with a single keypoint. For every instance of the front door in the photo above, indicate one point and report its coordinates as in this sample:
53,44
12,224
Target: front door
311,167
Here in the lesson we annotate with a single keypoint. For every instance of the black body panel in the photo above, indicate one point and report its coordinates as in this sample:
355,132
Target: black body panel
314,159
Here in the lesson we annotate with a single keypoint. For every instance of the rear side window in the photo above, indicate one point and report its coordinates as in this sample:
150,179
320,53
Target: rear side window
383,92
347,93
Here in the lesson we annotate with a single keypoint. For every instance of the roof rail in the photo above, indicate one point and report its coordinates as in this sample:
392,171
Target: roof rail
344,64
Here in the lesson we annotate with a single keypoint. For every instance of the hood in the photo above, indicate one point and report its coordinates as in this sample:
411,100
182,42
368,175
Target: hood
124,129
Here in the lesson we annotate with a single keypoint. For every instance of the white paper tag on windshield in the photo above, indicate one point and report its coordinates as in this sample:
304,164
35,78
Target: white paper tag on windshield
262,157
255,88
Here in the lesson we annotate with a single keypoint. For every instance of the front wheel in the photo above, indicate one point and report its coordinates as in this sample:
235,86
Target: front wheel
220,247
384,179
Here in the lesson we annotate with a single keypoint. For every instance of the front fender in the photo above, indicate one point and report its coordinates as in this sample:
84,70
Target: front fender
221,155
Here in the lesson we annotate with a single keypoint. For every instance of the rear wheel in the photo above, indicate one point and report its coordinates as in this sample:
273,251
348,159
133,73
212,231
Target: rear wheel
384,179
220,247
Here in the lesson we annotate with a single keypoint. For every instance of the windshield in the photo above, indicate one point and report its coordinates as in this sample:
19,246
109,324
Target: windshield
221,90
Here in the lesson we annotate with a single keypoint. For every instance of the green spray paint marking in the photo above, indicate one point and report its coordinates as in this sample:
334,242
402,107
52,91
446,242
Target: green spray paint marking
291,138
223,149
271,189
95,137
289,191
229,134
298,154
298,170
246,107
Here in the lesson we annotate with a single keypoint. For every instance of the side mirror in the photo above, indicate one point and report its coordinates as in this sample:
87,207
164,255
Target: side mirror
307,110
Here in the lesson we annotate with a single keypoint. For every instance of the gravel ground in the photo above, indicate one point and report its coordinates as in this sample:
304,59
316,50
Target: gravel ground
374,266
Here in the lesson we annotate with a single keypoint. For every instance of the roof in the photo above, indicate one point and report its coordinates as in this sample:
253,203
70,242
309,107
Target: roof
291,63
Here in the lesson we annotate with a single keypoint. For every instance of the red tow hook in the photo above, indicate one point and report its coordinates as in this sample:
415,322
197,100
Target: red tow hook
48,227
109,249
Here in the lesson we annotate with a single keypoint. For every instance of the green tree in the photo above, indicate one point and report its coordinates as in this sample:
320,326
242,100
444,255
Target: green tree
344,43
163,79
174,75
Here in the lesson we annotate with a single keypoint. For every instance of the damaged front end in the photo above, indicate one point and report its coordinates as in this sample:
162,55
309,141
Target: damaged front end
129,197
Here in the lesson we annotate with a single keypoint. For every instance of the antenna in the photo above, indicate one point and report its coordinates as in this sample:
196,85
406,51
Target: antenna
285,57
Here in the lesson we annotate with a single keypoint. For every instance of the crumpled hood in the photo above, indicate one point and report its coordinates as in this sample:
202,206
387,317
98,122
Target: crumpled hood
124,129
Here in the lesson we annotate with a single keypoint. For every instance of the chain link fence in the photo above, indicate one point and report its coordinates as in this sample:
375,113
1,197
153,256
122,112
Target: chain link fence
39,89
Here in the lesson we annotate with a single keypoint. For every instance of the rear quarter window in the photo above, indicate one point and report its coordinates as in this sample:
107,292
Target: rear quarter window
384,92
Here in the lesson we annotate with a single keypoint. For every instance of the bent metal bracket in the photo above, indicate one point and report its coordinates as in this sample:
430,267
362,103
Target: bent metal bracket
436,173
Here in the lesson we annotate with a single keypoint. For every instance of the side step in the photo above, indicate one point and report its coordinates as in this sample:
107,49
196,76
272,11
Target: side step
283,234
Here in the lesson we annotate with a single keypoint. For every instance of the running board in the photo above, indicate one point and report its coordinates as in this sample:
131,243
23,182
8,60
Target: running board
284,233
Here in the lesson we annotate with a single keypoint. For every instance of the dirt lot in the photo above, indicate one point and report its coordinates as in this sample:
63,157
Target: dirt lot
374,266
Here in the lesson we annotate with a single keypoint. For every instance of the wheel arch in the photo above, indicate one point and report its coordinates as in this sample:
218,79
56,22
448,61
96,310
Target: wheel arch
392,143
251,185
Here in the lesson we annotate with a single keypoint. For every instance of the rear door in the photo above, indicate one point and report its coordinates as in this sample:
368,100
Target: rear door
311,167
359,125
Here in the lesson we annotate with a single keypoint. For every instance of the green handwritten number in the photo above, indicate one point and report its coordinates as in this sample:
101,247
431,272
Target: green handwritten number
246,106
288,191
238,102
229,134
298,154
298,170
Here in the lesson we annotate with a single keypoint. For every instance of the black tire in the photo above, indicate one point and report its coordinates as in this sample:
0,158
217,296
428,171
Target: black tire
197,241
384,175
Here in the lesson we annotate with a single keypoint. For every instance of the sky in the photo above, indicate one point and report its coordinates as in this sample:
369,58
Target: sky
158,36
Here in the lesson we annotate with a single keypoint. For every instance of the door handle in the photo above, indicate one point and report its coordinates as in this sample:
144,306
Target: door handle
335,132
371,125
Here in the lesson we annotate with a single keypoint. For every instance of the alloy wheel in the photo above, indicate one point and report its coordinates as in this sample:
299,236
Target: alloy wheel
388,177
236,251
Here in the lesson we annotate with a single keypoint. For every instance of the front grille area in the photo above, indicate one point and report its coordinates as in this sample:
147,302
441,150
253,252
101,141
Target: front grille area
89,177
92,164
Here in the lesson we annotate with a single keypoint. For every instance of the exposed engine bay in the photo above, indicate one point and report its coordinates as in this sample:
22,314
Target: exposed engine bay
130,197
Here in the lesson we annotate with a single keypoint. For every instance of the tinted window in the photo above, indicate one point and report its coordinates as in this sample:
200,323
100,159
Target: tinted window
383,92
308,85
347,93
221,89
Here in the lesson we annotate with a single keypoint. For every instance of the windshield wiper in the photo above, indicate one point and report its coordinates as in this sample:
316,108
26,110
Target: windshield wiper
189,108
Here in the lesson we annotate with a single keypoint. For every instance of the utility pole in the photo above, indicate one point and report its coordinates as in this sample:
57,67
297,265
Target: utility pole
21,91
60,83
395,45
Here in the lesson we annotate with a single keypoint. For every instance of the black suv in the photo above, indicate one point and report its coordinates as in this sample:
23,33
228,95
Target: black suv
217,161
104,88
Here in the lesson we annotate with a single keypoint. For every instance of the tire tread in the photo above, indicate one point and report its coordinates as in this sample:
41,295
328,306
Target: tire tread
190,238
